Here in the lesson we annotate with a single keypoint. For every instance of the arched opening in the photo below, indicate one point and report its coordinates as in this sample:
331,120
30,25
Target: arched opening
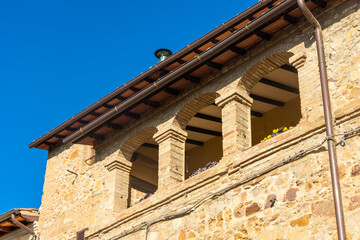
142,151
276,106
144,172
203,147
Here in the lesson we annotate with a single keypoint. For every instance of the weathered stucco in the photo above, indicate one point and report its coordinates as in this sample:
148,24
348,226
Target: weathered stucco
293,201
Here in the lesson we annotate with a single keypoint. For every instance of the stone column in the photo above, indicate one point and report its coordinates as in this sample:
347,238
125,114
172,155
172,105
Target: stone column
308,81
236,120
118,183
171,140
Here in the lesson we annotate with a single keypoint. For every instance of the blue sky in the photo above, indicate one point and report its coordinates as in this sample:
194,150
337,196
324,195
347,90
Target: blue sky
58,57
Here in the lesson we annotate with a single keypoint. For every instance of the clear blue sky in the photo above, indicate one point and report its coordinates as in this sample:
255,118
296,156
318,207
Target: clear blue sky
58,57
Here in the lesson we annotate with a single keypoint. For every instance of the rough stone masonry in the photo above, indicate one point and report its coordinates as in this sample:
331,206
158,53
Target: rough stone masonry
292,201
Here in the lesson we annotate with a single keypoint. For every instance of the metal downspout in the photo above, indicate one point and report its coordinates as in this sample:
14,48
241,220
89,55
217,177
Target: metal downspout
20,225
340,222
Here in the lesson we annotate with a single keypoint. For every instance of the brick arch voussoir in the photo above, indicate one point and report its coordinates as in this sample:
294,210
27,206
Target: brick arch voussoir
265,66
135,141
190,109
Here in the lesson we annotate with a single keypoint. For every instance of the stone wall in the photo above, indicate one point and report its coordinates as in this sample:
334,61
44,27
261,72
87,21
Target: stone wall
291,201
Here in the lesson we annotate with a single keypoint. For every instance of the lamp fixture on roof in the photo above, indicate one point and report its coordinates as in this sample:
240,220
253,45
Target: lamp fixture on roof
162,53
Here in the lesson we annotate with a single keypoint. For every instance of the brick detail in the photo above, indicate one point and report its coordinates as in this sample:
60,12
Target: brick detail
298,60
135,141
119,180
236,121
171,140
189,110
262,68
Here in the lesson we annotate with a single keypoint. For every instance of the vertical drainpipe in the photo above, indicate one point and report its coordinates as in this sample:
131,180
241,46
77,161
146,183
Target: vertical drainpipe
340,222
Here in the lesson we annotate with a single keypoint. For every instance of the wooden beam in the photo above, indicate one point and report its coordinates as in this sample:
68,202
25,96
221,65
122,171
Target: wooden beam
263,35
215,41
197,51
96,136
132,115
289,68
203,131
134,89
194,142
150,145
250,17
151,103
149,80
231,29
59,136
49,144
256,114
279,85
142,185
267,100
171,91
215,65
192,78
71,129
290,19
108,106
95,114
5,229
113,126
320,3
82,121
147,162
163,72
181,61
237,50
121,98
208,117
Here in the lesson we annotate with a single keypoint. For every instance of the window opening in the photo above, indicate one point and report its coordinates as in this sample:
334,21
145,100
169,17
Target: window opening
203,148
276,106
144,172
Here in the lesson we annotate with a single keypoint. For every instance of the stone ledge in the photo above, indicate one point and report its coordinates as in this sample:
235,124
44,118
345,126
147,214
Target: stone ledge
170,132
185,188
116,164
164,197
234,95
304,130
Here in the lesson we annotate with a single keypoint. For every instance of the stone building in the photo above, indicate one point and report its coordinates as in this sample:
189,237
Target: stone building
245,98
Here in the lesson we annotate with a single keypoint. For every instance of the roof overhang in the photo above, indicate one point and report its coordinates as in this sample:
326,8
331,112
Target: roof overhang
171,76
23,215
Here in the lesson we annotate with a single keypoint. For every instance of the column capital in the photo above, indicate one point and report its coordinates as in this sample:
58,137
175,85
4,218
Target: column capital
170,131
234,95
119,164
298,60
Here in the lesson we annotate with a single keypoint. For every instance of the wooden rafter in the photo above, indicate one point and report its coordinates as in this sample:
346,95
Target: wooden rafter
279,85
267,100
203,131
208,117
256,114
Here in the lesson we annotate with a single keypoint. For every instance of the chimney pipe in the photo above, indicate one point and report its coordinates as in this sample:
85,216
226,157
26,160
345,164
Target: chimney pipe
162,53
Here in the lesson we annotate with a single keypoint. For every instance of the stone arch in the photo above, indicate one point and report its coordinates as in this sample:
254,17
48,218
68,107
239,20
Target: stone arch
265,66
274,108
135,141
190,109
